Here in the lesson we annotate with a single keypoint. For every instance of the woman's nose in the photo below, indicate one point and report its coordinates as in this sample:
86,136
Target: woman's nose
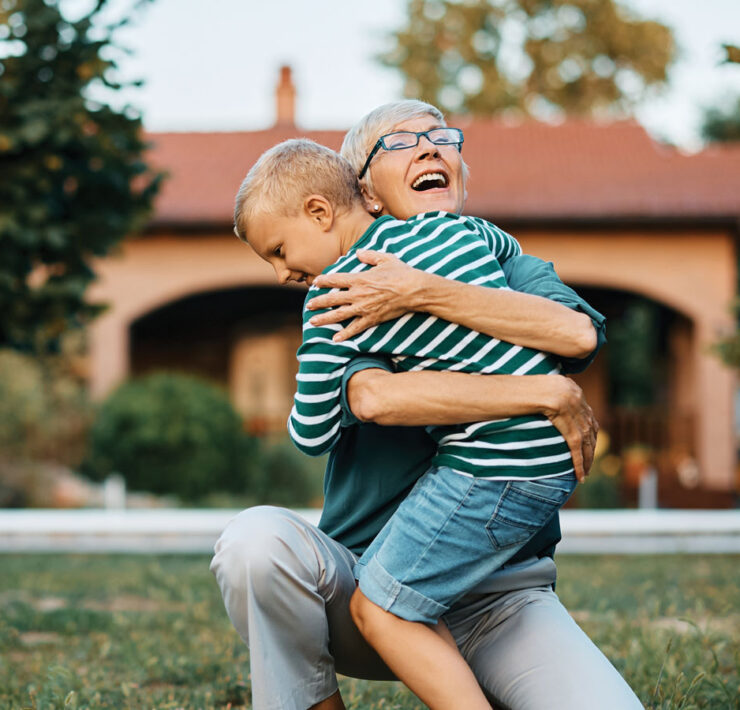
426,149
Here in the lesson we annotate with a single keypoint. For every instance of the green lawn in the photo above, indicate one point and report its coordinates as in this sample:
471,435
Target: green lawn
88,631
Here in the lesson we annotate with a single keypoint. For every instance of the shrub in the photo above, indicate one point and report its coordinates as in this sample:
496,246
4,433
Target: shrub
288,477
44,411
603,487
169,433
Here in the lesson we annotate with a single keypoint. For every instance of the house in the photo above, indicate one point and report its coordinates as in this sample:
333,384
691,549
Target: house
637,227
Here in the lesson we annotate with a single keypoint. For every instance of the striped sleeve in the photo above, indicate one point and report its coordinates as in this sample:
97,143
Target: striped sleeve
501,243
453,247
315,420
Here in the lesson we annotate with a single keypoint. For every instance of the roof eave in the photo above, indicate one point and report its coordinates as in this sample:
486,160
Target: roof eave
552,222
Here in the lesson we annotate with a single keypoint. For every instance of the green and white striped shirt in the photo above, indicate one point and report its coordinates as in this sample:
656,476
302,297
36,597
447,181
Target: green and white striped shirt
466,249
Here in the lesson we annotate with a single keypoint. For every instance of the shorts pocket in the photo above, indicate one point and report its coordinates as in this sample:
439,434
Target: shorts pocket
524,508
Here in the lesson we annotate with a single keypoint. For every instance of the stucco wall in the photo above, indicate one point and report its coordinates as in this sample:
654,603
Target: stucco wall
692,272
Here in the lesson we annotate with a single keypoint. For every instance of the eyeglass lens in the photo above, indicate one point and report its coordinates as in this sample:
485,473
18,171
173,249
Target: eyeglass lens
408,139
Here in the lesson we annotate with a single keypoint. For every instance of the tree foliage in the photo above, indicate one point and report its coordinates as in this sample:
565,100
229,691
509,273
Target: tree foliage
728,348
529,56
722,123
73,181
732,54
44,410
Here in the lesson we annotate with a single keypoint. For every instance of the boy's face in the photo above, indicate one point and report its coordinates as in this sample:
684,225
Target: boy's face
296,247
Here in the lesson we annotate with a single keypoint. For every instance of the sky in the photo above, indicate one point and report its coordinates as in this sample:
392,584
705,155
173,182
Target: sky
214,66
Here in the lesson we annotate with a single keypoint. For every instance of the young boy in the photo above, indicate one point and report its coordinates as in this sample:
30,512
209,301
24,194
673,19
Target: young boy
492,485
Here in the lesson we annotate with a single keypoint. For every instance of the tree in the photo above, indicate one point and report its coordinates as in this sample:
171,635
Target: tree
536,57
722,123
73,182
728,348
732,54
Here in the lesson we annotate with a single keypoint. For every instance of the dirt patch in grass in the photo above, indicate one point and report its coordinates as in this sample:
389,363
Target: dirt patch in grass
119,603
131,602
38,638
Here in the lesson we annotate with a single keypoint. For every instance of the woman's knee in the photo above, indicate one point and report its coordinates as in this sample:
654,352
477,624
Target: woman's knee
254,546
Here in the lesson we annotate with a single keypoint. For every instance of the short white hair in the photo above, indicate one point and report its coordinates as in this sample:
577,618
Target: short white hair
289,172
363,136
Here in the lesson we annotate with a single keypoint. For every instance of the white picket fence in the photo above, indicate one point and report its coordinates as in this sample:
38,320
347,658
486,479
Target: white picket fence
195,531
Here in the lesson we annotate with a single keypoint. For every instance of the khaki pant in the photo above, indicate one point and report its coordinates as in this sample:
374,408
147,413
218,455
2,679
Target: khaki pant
286,587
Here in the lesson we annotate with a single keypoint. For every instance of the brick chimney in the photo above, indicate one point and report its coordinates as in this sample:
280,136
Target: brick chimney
285,98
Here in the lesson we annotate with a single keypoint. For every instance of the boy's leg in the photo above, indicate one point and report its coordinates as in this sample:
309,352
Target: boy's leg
528,653
286,587
424,657
450,533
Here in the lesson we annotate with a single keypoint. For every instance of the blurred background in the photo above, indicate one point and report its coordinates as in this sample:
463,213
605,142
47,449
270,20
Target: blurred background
144,349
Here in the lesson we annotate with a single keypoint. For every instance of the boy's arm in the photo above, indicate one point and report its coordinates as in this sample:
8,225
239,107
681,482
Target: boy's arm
315,420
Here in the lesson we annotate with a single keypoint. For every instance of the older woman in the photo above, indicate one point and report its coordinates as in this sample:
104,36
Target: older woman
287,584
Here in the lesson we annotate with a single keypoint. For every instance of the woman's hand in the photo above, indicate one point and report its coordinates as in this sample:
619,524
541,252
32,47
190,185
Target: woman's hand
388,290
572,416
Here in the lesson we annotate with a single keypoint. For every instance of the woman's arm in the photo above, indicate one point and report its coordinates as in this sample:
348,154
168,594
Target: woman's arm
438,398
393,288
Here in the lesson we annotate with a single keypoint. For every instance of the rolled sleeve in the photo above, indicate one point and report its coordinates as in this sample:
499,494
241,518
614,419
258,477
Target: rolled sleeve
528,274
361,362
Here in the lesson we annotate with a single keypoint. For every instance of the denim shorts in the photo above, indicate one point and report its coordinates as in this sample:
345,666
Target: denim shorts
450,533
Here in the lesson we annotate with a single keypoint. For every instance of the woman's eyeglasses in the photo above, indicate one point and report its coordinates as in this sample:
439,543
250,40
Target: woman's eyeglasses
401,140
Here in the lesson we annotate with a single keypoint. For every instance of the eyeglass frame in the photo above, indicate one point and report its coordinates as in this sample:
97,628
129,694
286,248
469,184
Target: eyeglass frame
380,143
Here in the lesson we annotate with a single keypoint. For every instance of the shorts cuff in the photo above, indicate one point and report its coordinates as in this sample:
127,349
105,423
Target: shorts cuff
381,588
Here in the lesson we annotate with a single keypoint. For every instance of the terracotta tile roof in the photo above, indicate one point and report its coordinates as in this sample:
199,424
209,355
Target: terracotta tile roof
577,169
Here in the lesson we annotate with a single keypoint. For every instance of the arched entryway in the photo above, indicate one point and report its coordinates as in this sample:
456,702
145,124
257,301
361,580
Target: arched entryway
243,338
643,390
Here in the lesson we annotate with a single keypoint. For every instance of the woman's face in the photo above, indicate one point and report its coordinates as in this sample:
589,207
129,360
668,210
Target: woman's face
396,173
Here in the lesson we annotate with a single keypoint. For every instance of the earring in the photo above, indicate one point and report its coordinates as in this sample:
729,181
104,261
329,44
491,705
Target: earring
377,208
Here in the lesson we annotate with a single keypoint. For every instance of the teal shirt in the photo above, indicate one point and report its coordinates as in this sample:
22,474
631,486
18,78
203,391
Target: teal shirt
371,469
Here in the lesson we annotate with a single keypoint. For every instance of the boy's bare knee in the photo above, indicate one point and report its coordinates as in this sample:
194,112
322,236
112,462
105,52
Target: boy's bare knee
355,607
365,614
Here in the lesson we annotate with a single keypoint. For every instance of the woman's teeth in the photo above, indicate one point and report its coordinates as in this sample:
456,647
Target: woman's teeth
429,180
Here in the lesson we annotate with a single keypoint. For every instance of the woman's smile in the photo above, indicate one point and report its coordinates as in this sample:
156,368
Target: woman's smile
424,178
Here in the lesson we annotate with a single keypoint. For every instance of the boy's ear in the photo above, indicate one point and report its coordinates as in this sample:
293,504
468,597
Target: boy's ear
372,204
319,210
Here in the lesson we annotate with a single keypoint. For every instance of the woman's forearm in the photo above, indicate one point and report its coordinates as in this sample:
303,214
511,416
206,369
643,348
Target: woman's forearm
430,398
393,288
520,318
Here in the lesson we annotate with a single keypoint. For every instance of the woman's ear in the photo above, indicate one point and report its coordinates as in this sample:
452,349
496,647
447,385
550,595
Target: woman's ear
372,204
319,210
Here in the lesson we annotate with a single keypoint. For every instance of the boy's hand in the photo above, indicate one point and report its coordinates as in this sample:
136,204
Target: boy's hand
574,419
388,290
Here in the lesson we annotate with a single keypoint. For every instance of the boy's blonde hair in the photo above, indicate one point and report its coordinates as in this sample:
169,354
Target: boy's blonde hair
363,136
289,172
